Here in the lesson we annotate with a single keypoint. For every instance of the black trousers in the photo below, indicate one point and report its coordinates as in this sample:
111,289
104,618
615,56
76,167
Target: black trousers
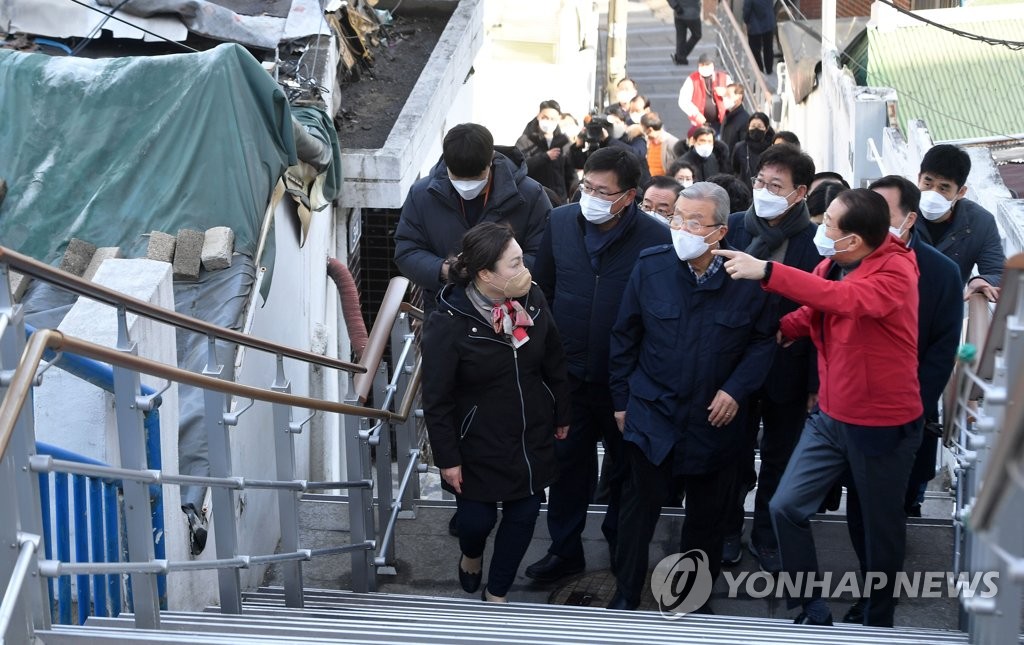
477,520
684,43
879,461
782,425
642,497
763,48
593,420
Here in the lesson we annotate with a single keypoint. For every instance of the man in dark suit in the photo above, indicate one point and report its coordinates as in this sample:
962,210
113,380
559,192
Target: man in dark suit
585,259
776,227
940,316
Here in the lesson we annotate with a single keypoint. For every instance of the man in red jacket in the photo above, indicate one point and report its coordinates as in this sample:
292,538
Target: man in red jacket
860,309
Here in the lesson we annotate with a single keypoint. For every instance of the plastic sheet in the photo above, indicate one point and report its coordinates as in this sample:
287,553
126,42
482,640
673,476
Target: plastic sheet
108,150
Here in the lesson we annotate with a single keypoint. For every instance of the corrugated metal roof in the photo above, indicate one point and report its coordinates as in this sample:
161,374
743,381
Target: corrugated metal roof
961,88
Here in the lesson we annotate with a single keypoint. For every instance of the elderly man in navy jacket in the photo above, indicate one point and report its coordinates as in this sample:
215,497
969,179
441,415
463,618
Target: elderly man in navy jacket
689,346
586,256
939,318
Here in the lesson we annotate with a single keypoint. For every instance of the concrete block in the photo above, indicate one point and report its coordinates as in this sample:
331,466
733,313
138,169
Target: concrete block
77,256
218,244
188,252
19,284
101,254
161,247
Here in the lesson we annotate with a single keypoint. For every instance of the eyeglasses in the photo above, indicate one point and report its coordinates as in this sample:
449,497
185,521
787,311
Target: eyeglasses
691,225
590,190
774,189
663,211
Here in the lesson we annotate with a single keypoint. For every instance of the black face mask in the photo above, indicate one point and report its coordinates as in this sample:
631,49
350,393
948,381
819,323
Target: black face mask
756,135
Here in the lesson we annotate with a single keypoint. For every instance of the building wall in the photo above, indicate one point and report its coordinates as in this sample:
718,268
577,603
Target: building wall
301,311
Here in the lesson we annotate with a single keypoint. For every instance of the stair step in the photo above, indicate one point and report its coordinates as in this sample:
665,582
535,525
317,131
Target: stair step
271,599
508,625
73,634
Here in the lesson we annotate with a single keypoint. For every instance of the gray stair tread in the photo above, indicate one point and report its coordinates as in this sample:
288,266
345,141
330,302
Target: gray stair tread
269,598
618,627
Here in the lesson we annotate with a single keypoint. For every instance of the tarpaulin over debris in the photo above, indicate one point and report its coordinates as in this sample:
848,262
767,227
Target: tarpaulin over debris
108,150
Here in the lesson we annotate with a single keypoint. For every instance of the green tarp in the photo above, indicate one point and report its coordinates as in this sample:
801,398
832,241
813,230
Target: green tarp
109,150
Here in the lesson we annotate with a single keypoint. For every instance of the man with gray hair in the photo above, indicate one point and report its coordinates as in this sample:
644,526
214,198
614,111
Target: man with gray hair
688,347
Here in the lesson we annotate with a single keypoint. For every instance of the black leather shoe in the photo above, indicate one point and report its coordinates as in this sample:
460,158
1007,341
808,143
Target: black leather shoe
855,614
679,61
470,581
552,567
619,602
453,525
804,619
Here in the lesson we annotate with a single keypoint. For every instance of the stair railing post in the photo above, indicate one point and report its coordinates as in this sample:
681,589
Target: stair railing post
21,447
406,440
287,500
360,500
138,516
219,448
385,478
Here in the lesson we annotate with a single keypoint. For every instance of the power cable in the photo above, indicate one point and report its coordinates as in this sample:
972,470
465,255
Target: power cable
142,29
95,30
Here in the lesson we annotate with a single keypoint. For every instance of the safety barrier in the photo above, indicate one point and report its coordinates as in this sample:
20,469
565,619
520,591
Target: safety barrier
984,429
388,428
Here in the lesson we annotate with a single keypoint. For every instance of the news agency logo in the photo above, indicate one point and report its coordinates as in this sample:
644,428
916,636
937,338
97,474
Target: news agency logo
682,583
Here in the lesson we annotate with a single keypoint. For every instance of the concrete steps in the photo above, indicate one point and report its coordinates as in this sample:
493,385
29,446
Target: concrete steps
345,617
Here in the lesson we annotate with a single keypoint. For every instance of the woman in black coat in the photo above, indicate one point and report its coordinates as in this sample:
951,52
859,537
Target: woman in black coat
495,399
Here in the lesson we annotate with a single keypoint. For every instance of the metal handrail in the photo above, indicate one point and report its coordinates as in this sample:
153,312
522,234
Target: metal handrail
41,344
390,306
27,545
758,89
41,271
24,375
1010,441
47,464
976,331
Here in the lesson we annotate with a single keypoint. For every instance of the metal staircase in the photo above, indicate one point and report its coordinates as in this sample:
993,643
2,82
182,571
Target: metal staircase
345,617
986,431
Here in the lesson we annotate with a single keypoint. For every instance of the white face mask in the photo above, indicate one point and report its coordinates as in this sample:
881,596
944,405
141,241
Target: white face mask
898,230
706,71
934,205
769,206
704,149
686,183
547,127
687,245
625,96
636,116
469,188
826,245
655,216
595,209
728,103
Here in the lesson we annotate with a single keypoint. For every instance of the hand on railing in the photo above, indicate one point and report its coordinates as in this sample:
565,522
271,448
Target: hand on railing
980,285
